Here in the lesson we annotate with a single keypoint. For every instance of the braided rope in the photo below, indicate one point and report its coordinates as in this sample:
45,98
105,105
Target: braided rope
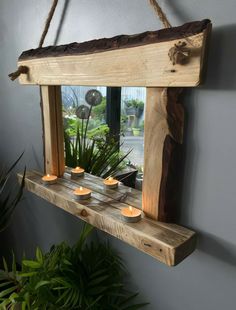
162,16
24,69
48,22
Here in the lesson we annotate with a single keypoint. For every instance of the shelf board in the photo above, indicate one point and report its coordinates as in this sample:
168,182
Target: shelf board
168,243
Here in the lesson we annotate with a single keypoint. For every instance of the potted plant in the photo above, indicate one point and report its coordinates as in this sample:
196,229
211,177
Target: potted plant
130,108
136,131
7,202
134,107
86,276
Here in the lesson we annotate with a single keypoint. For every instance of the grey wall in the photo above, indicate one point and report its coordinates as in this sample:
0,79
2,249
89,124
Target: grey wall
207,279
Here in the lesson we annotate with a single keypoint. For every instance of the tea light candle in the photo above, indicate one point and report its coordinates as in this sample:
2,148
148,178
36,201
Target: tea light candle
82,193
77,172
131,215
49,179
111,182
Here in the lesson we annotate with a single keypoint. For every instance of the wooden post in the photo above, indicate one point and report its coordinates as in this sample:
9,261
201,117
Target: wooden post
164,120
53,130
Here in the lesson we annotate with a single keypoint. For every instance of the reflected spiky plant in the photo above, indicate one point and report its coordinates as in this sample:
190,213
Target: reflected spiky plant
94,150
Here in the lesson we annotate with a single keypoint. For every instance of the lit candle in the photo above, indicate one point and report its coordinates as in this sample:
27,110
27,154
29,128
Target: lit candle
49,179
131,215
82,193
77,172
111,182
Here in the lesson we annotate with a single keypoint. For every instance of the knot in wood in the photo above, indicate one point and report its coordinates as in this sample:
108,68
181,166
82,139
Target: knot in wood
84,213
179,53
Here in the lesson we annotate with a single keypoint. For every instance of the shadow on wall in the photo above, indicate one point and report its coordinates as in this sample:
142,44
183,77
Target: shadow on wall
221,73
178,10
217,247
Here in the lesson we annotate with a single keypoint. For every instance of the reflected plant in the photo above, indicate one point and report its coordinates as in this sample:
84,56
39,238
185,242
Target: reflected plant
92,149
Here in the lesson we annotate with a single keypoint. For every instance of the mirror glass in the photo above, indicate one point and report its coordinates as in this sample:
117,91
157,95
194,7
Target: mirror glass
104,131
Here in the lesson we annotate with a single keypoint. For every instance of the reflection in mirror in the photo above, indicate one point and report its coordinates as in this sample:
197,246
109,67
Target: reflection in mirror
103,130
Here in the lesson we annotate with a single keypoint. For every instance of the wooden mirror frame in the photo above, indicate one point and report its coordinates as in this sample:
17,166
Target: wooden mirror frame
163,61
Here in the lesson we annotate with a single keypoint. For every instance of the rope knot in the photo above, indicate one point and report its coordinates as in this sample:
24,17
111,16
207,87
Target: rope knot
179,53
18,72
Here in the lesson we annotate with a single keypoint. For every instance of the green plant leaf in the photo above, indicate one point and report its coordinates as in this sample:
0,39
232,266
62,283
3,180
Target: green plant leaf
5,264
5,283
41,283
32,264
39,255
8,291
28,274
13,265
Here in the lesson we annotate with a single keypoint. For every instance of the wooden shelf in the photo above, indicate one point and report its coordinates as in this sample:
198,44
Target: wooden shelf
168,243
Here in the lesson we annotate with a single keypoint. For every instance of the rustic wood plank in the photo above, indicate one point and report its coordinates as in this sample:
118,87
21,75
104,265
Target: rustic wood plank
133,196
167,243
53,130
139,60
164,121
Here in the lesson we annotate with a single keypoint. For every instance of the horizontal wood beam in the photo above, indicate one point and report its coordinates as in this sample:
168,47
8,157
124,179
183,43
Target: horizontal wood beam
137,60
168,243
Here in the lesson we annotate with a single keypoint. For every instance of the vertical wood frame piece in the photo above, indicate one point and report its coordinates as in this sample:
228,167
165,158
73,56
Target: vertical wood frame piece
136,60
164,123
53,130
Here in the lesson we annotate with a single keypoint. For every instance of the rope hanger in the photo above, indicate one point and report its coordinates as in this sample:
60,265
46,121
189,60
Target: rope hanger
24,70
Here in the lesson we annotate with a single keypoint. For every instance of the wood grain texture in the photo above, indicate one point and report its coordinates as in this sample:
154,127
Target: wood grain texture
139,60
164,121
168,243
133,196
53,130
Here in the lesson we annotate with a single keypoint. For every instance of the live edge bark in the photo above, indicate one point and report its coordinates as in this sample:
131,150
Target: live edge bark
164,125
118,42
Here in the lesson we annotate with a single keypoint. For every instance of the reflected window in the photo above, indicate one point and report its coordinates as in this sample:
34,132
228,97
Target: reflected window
103,129
132,123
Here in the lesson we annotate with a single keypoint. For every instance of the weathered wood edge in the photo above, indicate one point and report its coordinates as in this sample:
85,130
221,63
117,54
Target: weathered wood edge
118,42
171,157
129,233
164,116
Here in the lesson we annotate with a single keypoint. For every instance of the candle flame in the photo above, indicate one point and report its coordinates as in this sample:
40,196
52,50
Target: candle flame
48,175
77,168
81,188
130,209
110,178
